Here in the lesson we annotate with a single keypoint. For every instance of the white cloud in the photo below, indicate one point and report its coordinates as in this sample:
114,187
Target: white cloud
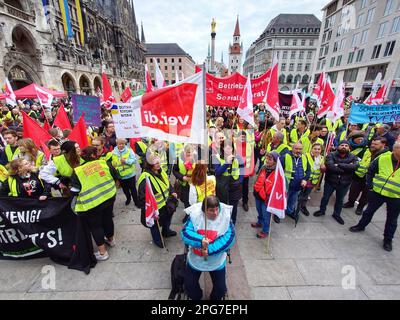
188,23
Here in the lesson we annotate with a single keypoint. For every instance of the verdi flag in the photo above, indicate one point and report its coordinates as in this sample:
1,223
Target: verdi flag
272,96
277,201
126,95
10,95
245,109
151,205
44,97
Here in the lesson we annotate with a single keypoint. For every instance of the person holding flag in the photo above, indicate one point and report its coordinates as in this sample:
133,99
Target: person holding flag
162,190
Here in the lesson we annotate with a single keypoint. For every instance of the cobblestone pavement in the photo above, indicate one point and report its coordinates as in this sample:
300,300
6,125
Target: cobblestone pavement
312,261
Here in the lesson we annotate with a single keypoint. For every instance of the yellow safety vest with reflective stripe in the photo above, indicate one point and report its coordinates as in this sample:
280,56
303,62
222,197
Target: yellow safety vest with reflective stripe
106,157
3,173
10,155
161,187
235,173
12,184
183,171
63,167
97,184
123,169
283,131
289,166
387,182
365,163
358,151
315,173
294,137
211,187
307,145
143,148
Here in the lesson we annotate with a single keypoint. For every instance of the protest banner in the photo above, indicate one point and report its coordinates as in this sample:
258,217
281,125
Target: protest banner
362,113
90,106
30,229
226,92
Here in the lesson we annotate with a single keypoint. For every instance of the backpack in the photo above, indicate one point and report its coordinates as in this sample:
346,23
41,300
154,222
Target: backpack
178,269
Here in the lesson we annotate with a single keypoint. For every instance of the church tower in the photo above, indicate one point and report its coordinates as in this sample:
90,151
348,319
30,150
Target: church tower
235,51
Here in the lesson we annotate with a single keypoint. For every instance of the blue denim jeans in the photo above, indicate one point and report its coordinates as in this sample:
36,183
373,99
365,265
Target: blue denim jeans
292,202
341,192
264,217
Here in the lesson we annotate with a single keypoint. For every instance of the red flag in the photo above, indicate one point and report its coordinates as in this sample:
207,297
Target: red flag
45,150
44,97
34,131
46,125
245,109
107,91
318,91
62,120
198,69
379,97
277,201
78,134
151,205
149,84
10,95
126,95
297,105
327,100
272,96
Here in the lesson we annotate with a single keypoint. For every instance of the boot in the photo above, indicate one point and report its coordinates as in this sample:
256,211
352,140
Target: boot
387,245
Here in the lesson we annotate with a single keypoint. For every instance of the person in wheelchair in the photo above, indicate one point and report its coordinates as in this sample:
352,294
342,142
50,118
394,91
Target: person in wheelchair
208,244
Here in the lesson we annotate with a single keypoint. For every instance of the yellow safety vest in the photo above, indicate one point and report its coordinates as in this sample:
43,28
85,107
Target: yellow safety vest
235,173
387,182
12,184
63,167
283,131
143,148
281,148
315,173
160,186
289,166
307,145
39,160
183,171
10,155
123,169
179,149
97,184
211,187
106,157
3,173
358,151
7,116
294,137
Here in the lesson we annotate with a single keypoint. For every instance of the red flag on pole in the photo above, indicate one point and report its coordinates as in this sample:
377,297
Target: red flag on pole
78,134
151,205
107,91
46,125
327,100
277,202
34,131
149,84
198,69
62,120
245,109
318,91
45,150
272,96
126,95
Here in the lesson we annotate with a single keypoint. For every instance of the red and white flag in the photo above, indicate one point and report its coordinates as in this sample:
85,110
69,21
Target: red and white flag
272,96
327,100
337,110
45,98
160,82
374,90
149,84
318,91
10,96
151,205
245,109
100,95
277,201
379,97
174,113
297,105
329,145
107,92
126,95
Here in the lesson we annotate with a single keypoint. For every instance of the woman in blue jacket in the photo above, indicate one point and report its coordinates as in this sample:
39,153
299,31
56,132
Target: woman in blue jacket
208,245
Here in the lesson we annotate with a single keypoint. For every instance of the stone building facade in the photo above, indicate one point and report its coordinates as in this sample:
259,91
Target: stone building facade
34,49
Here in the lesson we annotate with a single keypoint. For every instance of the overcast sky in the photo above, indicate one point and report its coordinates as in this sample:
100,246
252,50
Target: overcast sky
188,22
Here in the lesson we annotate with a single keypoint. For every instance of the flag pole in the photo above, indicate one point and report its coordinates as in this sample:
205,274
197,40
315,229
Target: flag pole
206,150
269,234
159,231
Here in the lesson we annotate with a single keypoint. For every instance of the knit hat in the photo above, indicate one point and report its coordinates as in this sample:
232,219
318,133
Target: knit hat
67,146
274,155
344,142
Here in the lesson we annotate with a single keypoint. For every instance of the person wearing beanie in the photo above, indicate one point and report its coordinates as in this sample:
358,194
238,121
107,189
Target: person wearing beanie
262,191
60,169
340,166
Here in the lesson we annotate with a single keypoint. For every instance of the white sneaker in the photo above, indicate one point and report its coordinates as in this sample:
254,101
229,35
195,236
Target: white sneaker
110,243
100,257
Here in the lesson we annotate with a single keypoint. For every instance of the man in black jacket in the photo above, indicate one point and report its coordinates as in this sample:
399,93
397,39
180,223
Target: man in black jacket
340,166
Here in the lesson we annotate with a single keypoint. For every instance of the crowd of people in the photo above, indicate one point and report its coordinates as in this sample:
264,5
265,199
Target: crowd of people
360,161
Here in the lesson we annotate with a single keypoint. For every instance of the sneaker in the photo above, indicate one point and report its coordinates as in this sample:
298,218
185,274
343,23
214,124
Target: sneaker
101,257
319,213
256,225
348,205
262,235
110,243
338,219
387,245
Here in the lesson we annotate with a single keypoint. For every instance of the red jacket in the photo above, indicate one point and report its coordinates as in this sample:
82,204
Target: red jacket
264,184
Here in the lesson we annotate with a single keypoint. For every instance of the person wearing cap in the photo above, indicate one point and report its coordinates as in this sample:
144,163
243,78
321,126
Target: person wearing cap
384,131
383,181
340,166
358,185
60,169
358,143
262,191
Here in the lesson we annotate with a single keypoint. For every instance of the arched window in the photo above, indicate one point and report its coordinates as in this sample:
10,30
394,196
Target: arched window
305,79
289,79
15,3
297,79
282,78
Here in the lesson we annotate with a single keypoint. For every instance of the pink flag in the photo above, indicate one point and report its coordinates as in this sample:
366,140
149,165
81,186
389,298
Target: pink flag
160,82
245,109
10,96
277,201
272,96
151,205
149,84
44,97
